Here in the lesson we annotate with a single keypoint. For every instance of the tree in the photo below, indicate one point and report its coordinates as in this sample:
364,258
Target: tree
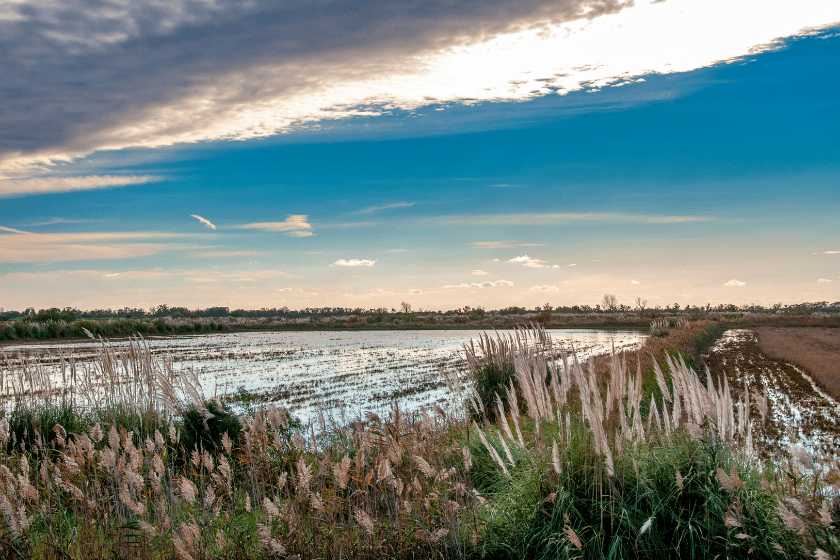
405,307
609,303
640,305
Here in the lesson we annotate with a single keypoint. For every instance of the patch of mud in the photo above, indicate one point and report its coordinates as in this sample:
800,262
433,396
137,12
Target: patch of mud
799,411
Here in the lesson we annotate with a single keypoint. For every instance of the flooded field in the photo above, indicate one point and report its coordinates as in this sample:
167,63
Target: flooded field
345,373
799,410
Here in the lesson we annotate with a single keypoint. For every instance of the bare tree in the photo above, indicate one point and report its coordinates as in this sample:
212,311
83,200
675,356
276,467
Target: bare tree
640,305
405,307
609,303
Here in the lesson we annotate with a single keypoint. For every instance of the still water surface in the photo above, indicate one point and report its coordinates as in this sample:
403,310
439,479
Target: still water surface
356,370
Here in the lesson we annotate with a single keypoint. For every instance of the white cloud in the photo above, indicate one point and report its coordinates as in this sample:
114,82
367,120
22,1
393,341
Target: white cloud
555,266
634,281
573,264
204,221
735,283
415,291
285,290
9,187
545,289
372,209
823,280
300,233
479,273
353,262
831,253
493,244
292,223
485,284
528,262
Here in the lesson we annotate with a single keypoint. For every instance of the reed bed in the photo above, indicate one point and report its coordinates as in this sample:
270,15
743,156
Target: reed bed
572,464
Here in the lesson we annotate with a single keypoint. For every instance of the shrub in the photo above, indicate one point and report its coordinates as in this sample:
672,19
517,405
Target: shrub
206,433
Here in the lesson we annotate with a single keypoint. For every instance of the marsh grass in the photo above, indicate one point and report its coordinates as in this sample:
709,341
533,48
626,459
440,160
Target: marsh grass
583,460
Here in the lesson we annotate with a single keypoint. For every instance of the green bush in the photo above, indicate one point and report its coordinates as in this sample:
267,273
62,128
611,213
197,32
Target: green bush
491,380
206,434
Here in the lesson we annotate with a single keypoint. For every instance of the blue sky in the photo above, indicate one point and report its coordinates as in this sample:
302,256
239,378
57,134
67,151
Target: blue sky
462,154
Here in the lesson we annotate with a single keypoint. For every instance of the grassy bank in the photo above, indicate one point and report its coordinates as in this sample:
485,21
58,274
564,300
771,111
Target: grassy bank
619,457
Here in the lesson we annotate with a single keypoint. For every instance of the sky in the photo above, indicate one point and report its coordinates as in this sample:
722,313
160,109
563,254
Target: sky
483,153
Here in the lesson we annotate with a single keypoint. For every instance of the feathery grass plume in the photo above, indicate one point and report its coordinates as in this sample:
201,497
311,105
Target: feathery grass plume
424,466
269,543
555,458
730,520
4,431
660,380
514,412
493,453
270,509
248,503
506,449
502,418
465,451
304,472
180,548
340,471
187,489
573,538
645,526
364,520
680,480
825,515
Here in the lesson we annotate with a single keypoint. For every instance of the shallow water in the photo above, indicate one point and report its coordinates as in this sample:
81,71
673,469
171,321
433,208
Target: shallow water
356,370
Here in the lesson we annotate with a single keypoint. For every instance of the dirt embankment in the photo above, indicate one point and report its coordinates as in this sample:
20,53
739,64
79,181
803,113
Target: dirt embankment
817,350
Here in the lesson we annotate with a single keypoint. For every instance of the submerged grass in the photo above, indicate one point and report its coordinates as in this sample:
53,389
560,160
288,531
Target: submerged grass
559,460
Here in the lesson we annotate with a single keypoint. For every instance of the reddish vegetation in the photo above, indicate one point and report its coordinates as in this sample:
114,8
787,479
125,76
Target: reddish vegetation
817,350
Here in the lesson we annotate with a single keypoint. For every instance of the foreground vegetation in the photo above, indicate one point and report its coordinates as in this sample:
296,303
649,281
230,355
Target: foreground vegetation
539,457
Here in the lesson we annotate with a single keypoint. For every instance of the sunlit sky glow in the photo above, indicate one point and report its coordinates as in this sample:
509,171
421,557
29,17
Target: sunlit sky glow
268,154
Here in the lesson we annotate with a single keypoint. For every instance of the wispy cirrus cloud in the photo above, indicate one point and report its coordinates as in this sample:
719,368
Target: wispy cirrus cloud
223,254
21,246
530,219
372,209
353,262
485,284
735,283
823,280
204,221
545,288
295,225
479,273
40,185
502,244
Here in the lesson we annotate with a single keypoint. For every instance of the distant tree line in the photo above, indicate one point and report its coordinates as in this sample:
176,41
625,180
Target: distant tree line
608,305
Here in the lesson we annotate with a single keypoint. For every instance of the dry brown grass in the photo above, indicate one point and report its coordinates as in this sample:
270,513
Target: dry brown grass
815,349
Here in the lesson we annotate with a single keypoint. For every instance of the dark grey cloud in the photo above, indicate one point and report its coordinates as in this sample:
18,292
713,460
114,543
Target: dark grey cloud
80,75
